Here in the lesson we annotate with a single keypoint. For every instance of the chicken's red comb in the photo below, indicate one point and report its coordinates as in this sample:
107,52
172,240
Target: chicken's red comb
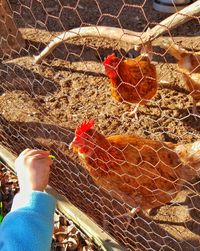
84,127
108,59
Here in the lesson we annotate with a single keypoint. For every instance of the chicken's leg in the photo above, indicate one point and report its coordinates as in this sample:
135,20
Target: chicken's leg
129,215
194,108
134,112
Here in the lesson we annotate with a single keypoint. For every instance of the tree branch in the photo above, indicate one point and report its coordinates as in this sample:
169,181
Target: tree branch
136,39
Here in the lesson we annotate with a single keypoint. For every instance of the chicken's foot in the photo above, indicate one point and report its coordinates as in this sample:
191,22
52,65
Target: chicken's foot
129,215
194,109
134,112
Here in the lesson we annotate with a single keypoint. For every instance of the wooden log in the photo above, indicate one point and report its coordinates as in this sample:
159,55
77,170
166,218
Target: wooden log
135,39
10,37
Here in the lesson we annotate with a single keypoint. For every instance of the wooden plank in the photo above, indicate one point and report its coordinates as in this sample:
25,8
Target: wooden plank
7,157
86,224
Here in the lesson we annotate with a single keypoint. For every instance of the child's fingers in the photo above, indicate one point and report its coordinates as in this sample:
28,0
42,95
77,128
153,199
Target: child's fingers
25,151
43,157
33,152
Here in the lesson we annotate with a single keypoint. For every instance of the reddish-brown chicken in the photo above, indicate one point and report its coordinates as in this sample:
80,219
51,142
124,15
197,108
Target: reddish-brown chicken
132,80
189,66
141,172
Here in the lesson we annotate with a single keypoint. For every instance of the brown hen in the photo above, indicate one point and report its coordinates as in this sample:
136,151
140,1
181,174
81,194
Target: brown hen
141,172
189,66
134,80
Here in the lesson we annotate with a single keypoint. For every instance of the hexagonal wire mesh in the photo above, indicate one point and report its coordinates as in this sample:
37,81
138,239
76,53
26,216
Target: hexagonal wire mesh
43,100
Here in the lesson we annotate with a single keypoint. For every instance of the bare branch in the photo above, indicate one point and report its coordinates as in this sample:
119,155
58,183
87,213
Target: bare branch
172,22
134,38
92,31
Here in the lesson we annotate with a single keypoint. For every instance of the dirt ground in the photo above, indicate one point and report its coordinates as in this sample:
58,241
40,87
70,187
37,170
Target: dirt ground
41,105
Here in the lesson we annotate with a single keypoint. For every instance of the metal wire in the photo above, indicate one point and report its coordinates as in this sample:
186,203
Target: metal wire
42,105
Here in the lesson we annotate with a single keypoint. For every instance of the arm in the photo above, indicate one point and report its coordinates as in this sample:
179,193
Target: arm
29,225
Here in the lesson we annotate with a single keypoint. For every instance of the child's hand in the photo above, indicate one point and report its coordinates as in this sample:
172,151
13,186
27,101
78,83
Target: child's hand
33,168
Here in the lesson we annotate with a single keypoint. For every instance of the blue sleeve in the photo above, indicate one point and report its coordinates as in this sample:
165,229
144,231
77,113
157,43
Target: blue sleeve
29,225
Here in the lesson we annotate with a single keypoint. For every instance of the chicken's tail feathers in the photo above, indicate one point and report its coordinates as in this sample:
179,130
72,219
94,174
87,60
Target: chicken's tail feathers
172,48
189,155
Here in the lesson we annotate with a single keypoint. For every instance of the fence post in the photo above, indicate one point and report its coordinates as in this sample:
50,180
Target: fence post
10,37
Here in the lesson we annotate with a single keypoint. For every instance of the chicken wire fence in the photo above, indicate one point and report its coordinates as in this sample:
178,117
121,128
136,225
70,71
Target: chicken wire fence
45,98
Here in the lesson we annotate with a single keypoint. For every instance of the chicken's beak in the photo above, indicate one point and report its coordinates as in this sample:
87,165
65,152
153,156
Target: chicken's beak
73,147
70,145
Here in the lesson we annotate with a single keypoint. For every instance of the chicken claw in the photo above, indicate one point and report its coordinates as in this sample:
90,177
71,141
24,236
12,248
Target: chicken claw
129,215
134,112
